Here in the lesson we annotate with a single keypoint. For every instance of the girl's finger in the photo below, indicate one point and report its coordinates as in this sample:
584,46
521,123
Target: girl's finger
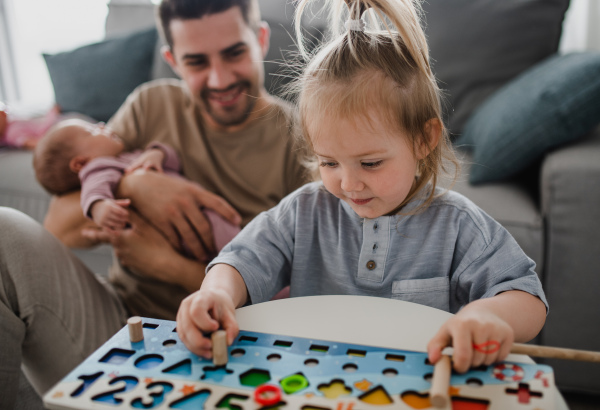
462,343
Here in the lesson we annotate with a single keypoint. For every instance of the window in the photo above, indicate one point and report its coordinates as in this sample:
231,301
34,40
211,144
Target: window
34,27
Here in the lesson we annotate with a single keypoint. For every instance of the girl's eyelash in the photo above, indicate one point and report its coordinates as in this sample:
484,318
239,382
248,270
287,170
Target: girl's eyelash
373,164
327,164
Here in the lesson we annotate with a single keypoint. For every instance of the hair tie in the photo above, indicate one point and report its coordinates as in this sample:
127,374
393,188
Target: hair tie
355,25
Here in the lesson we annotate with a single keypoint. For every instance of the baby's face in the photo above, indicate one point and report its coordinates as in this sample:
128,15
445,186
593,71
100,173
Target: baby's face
97,140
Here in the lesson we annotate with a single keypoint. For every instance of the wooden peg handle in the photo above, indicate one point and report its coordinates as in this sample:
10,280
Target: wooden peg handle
440,382
556,352
219,341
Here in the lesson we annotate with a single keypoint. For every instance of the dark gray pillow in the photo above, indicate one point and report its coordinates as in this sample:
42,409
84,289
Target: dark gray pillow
96,79
553,103
283,52
477,46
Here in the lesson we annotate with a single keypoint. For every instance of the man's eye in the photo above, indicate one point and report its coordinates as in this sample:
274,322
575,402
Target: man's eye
328,164
371,165
196,63
235,53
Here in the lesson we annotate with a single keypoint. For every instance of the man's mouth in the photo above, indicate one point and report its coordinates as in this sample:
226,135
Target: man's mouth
227,97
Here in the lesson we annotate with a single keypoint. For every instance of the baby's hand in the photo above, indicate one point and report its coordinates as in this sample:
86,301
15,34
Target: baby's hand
150,160
477,337
202,313
111,214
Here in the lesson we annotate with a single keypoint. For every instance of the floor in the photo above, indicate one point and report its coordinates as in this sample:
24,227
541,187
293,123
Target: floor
577,401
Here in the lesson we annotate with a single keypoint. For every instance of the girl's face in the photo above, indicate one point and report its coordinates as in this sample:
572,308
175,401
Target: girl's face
365,164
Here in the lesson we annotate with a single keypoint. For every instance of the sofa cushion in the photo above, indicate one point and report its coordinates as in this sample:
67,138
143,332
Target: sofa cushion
95,79
479,45
512,204
553,103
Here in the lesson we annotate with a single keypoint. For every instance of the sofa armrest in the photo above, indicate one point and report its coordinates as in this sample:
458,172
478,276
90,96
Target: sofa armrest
570,184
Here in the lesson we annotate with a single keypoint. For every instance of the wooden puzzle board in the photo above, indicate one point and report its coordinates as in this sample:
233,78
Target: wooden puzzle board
160,373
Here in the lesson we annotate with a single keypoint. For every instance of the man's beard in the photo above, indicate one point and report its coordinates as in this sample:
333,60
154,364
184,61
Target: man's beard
235,115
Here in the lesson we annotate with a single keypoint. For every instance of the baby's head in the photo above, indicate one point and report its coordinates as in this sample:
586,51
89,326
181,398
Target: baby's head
370,109
66,148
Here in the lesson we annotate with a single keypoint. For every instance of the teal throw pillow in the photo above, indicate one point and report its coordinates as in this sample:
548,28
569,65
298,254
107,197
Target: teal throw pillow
96,79
553,103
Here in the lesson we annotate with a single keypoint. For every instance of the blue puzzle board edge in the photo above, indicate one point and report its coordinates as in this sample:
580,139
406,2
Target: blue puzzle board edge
161,355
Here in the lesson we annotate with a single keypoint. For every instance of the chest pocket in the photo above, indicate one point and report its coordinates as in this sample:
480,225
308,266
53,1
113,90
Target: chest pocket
434,292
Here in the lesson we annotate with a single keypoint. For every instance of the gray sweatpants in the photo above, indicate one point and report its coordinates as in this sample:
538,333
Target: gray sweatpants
54,312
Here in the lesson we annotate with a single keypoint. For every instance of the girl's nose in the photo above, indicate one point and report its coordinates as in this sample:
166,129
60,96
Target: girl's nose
351,183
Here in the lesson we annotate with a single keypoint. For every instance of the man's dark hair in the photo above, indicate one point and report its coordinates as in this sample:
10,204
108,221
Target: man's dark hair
169,10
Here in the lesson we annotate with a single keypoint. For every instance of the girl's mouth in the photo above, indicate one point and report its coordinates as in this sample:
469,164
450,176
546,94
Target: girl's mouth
361,201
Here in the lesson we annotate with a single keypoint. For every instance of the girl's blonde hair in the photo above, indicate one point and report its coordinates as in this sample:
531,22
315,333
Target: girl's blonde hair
385,68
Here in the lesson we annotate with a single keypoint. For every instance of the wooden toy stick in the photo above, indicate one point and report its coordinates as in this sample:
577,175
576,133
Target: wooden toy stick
136,331
441,382
219,347
555,352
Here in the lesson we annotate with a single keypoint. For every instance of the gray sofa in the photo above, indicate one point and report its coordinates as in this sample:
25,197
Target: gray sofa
552,207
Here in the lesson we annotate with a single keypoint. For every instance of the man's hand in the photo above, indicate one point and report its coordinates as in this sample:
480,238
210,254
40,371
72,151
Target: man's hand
174,207
145,251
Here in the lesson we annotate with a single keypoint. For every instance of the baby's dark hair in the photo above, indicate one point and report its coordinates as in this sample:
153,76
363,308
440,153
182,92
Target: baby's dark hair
51,159
381,66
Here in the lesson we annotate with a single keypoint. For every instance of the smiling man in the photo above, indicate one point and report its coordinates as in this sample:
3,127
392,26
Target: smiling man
233,139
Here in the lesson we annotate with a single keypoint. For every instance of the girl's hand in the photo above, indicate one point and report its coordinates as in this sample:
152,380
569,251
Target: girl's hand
150,160
477,336
202,313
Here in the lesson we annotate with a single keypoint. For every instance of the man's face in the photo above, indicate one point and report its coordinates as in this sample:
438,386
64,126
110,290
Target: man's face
221,60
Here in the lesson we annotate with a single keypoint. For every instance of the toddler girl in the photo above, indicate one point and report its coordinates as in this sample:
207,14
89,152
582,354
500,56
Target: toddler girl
377,224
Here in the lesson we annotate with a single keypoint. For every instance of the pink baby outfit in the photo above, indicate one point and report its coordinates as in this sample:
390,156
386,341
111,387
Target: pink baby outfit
100,178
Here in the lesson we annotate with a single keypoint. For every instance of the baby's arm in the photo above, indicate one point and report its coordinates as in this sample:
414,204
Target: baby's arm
507,317
210,308
110,213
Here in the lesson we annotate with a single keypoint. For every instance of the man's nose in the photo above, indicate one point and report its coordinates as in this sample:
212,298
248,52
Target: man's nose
220,76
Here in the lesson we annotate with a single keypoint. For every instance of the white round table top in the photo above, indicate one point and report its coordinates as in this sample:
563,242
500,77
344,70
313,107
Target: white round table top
363,320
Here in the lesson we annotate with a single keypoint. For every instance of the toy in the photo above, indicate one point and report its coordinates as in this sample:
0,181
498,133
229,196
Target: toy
266,371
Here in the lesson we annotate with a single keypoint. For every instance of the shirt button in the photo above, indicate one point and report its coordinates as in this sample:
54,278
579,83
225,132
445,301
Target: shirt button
371,265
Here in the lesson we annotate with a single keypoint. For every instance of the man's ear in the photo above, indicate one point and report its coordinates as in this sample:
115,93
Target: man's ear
264,37
168,56
431,137
78,162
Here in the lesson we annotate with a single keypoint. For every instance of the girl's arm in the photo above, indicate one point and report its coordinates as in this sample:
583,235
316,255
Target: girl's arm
211,308
507,317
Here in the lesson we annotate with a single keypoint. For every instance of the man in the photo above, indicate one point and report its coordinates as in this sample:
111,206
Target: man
233,139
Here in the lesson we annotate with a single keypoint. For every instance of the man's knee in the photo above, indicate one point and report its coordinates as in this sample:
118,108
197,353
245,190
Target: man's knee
17,228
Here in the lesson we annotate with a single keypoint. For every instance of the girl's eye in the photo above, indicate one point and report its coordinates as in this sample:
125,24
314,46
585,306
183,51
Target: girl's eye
328,164
371,165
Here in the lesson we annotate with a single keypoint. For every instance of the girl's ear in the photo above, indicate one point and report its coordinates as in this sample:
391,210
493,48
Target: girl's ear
78,162
431,137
